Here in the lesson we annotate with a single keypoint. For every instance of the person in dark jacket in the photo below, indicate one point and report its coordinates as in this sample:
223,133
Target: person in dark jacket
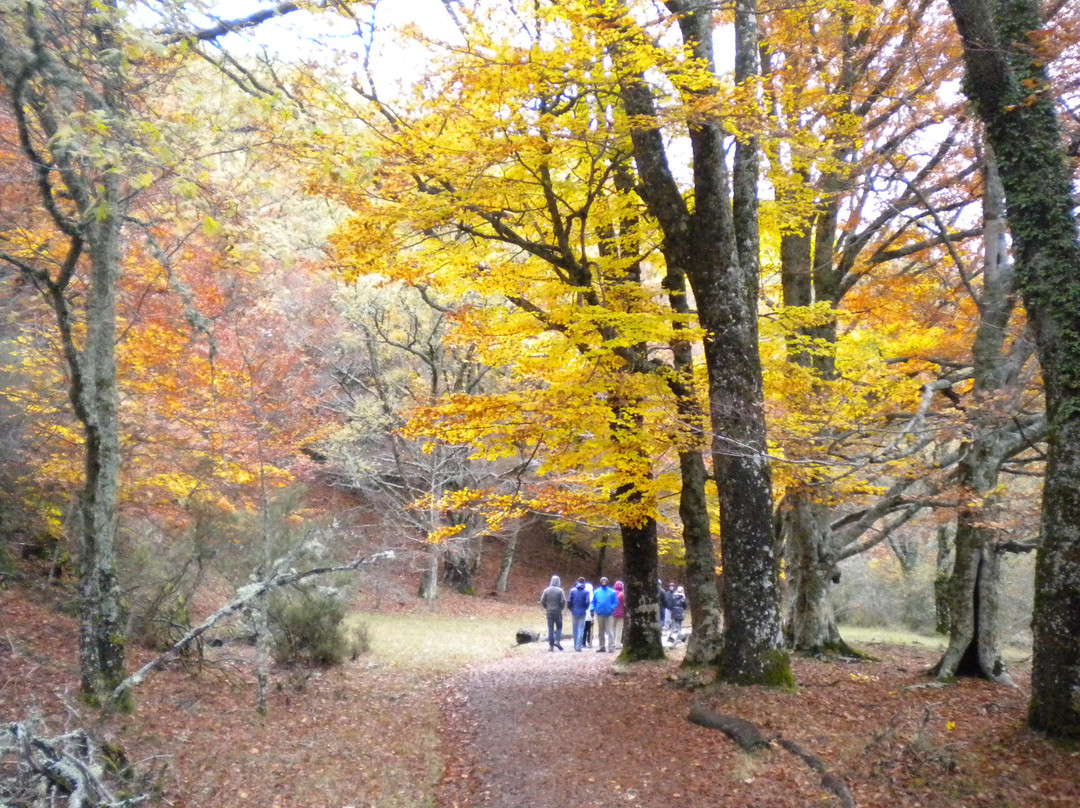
589,617
578,601
661,602
553,601
678,614
667,596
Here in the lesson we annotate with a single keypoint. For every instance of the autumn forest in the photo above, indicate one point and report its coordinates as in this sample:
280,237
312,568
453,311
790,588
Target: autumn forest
750,290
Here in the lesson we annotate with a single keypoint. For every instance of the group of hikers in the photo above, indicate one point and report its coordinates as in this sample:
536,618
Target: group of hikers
605,606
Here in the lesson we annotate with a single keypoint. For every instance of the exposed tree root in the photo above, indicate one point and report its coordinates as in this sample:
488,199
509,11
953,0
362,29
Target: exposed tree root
749,738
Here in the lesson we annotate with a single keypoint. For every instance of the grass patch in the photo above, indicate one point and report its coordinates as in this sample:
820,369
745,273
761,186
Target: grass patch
437,643
857,635
860,635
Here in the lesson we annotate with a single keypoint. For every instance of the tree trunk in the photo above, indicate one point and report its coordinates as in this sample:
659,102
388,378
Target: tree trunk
642,633
1007,80
706,616
459,566
942,611
429,581
503,578
102,627
975,586
716,246
810,626
974,597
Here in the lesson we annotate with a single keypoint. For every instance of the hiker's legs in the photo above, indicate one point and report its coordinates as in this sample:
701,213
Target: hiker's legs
578,621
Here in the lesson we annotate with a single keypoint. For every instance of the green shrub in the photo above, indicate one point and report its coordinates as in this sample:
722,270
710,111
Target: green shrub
308,628
8,568
161,622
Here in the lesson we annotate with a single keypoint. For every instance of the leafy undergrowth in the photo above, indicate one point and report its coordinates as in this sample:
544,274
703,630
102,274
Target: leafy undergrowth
538,728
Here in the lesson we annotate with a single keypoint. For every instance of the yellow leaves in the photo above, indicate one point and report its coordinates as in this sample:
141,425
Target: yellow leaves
441,534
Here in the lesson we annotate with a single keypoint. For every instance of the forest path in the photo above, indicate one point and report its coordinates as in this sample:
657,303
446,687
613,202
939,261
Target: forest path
545,729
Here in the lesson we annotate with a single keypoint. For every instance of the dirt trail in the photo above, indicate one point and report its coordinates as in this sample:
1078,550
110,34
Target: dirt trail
546,728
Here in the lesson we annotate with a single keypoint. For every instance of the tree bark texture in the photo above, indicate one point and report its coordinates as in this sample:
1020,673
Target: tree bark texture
942,610
503,578
642,631
1007,81
810,623
706,615
716,246
102,646
58,66
975,585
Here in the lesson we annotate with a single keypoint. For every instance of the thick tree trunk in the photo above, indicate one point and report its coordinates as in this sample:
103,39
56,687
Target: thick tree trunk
642,633
810,625
459,566
975,594
716,246
1008,82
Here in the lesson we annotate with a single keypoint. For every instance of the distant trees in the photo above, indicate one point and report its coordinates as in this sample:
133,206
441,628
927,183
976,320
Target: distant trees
391,357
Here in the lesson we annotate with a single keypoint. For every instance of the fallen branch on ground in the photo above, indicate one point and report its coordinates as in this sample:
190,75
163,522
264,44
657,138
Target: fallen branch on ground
749,738
244,596
56,771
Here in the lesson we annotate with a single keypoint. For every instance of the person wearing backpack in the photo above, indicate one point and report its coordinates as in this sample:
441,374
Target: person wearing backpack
578,602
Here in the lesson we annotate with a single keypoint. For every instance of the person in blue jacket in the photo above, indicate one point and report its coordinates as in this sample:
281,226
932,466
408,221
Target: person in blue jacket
604,602
578,601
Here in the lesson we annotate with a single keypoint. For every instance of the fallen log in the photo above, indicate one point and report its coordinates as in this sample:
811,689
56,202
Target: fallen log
745,735
749,738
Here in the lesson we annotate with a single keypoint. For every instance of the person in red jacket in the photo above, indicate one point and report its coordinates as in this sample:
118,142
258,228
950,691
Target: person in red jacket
618,617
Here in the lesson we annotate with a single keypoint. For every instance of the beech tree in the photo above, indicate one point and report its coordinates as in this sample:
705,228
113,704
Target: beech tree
870,192
1007,80
515,190
715,242
66,81
391,357
999,429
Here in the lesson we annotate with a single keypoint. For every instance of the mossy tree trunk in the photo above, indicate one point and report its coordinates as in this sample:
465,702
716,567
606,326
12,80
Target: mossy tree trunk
1008,83
59,66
